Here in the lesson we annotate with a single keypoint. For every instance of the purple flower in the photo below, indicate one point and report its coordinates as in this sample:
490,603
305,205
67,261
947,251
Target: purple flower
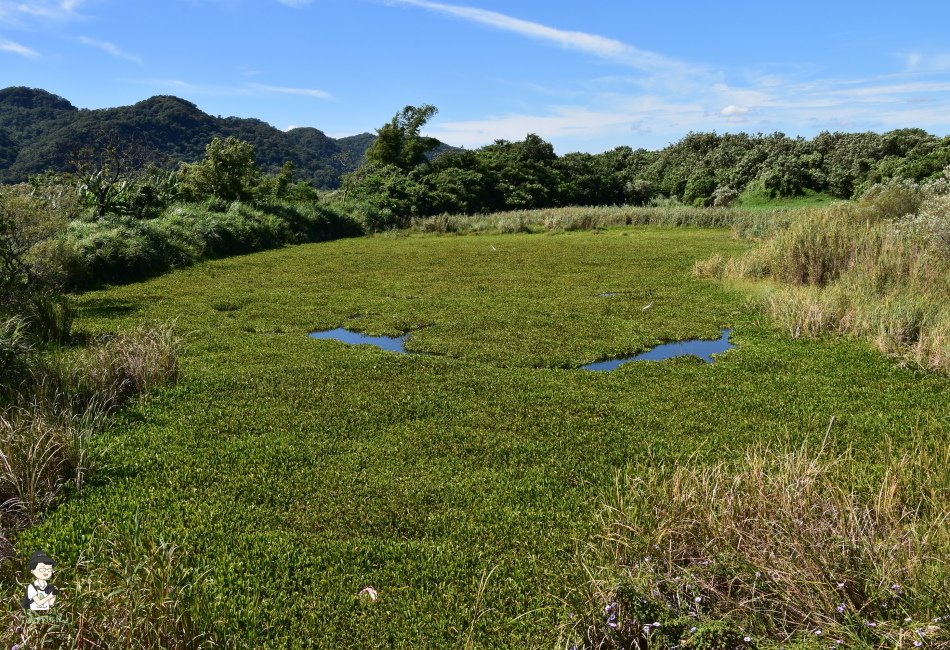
698,599
918,643
747,639
692,629
840,608
817,632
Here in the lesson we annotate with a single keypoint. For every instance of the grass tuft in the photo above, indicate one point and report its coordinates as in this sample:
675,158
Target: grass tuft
126,590
783,547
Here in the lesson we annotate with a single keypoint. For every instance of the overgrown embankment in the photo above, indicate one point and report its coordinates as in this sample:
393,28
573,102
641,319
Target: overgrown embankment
878,268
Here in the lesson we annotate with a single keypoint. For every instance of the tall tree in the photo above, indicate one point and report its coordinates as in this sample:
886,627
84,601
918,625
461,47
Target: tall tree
398,143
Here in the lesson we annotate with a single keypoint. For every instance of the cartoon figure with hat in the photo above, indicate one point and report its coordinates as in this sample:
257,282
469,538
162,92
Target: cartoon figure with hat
40,594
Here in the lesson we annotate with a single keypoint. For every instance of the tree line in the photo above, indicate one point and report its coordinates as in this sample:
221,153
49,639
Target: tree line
399,181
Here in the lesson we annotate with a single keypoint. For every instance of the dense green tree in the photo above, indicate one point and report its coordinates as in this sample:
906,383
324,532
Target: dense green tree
227,172
399,143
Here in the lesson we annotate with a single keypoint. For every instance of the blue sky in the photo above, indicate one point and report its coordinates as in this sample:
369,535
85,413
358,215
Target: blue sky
587,76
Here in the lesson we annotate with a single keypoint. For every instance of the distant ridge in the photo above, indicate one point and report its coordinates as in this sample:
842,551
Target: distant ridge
39,131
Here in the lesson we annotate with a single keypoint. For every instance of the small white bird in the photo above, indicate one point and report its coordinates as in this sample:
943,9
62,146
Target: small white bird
645,307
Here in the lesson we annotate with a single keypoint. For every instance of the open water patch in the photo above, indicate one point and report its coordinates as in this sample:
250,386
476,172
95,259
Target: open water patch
704,349
389,343
701,348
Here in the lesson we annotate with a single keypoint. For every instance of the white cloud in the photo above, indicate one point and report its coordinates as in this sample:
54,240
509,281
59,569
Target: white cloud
734,111
284,90
16,48
296,4
599,46
110,49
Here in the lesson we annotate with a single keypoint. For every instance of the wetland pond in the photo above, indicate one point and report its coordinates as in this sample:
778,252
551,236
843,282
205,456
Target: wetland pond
704,349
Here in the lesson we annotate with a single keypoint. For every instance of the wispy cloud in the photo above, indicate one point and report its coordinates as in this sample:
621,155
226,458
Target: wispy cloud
284,90
599,46
15,11
668,97
296,4
245,90
920,62
110,49
16,48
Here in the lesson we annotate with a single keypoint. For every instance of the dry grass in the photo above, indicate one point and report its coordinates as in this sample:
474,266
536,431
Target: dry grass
773,550
863,270
41,453
743,222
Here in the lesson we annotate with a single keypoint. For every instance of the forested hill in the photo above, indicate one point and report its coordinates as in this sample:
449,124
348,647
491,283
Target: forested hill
40,131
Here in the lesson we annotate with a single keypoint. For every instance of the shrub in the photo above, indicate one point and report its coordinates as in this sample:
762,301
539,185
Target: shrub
15,350
49,315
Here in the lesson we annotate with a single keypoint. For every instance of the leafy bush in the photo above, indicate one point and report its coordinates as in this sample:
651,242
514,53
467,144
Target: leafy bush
15,348
121,250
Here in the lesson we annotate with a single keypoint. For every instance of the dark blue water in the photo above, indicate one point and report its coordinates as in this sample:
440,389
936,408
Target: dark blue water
391,343
695,347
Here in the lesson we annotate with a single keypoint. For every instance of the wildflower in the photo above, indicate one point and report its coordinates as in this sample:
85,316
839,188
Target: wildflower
840,608
656,625
758,574
646,628
871,624
840,585
698,599
747,639
918,643
817,632
693,629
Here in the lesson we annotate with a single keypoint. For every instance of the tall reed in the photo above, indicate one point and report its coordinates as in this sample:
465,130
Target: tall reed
862,269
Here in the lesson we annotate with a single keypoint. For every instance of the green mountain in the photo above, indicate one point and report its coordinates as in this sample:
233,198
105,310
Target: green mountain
40,131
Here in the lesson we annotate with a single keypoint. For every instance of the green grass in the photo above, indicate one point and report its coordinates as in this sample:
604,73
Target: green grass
459,485
759,201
